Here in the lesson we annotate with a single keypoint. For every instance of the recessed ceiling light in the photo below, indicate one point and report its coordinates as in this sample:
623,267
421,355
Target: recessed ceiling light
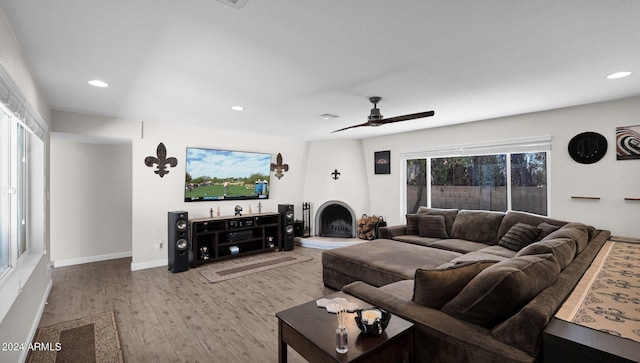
237,108
618,75
98,83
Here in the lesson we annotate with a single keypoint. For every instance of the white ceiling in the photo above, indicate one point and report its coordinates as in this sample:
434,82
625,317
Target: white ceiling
286,62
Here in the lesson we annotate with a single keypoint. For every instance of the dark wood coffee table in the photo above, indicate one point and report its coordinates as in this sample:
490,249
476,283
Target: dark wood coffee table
311,331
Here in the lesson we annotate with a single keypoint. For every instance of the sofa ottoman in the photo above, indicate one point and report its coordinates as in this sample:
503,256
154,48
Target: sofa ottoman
370,262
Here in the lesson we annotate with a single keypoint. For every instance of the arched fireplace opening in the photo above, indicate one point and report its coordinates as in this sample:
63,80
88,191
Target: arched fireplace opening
335,219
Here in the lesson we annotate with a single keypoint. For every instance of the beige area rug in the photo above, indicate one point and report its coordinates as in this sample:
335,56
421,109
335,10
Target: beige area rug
607,298
91,339
221,271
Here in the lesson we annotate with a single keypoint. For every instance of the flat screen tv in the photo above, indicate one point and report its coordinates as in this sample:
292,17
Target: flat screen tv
213,174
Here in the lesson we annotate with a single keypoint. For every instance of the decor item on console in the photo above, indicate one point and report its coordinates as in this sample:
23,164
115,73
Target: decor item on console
628,142
336,174
238,210
382,162
161,160
279,167
479,285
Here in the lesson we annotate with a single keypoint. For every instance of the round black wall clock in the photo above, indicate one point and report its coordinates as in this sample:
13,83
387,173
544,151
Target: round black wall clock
588,147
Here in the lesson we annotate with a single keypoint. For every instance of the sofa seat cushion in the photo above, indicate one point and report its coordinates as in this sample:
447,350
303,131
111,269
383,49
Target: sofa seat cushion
432,226
458,245
564,250
499,251
519,236
477,225
379,262
434,288
416,240
578,232
498,291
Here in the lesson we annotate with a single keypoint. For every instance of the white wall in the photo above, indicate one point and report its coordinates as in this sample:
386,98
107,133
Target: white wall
90,201
153,196
609,179
351,186
24,314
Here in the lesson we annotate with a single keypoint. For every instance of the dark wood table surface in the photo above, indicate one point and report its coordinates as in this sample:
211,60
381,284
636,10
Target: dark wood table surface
311,331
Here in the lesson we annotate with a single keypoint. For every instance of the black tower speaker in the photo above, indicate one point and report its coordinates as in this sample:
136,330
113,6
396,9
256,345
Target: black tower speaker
178,241
286,224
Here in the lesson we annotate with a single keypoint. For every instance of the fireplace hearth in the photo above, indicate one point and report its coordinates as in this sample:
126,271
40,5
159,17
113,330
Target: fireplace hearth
335,219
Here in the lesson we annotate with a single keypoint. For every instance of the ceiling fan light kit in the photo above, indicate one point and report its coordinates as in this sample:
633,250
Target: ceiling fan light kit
376,119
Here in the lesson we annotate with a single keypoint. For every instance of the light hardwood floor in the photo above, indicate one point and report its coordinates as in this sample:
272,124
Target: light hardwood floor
180,317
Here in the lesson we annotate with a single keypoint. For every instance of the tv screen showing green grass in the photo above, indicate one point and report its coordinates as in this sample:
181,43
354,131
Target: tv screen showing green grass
213,174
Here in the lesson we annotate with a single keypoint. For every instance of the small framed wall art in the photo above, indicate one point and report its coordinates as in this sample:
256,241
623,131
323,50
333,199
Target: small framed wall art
382,162
628,142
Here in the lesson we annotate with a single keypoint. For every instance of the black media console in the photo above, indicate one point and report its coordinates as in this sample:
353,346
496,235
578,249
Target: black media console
218,238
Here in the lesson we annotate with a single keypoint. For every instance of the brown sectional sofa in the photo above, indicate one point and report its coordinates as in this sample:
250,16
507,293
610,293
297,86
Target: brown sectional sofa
480,285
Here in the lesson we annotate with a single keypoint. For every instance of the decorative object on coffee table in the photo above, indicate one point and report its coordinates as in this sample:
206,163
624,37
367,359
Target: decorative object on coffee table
372,321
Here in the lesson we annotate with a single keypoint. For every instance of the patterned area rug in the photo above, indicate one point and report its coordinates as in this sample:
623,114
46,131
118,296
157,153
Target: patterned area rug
607,298
91,339
216,272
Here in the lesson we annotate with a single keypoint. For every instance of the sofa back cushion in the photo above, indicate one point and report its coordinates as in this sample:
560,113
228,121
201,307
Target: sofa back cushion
564,250
432,226
477,225
519,236
578,232
412,224
498,291
546,229
513,217
448,214
434,288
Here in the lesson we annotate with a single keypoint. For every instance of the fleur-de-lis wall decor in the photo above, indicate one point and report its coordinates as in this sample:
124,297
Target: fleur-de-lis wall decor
336,174
279,167
161,160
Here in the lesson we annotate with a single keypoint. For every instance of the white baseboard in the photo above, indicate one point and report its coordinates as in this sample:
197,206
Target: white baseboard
81,260
150,264
36,321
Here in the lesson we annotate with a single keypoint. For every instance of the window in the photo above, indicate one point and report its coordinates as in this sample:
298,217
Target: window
5,137
499,177
14,203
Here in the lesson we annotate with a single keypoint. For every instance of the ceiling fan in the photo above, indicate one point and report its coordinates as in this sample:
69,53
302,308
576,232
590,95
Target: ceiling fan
376,119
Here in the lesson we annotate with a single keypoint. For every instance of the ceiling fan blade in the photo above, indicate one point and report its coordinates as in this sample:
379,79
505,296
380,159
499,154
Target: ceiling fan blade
406,117
351,127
